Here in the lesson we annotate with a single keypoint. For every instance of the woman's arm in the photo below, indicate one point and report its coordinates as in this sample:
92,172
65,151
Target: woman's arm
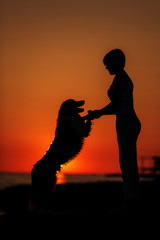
107,110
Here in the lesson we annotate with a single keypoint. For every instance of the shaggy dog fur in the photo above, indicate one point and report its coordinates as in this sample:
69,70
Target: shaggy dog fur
69,137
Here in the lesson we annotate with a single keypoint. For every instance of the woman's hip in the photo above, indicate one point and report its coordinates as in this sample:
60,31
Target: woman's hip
128,127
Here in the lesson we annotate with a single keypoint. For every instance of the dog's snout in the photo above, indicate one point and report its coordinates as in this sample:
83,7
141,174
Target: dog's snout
80,103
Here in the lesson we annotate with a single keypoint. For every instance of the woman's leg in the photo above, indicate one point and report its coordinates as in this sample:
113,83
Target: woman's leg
128,165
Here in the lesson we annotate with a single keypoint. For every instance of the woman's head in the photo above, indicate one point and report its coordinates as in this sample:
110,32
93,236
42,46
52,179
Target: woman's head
114,61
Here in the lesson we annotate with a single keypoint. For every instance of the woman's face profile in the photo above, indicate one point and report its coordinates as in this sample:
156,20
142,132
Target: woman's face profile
114,61
110,69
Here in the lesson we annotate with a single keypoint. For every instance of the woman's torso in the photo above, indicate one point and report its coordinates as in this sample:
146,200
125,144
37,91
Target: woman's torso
121,94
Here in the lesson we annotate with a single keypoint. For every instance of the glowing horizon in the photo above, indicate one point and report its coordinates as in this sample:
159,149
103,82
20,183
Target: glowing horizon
52,51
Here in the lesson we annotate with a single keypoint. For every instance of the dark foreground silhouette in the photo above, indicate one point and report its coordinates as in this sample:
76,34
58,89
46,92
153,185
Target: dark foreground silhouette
70,133
93,200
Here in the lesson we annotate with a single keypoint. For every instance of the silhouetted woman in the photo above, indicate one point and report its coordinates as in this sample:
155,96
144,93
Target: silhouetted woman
127,123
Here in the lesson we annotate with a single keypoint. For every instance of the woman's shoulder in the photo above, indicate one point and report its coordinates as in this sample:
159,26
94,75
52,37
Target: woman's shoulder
122,80
122,76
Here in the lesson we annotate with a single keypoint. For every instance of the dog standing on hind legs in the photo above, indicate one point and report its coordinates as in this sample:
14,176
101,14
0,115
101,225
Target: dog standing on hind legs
70,133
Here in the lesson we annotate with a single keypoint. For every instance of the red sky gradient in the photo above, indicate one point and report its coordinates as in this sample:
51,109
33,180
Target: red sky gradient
52,51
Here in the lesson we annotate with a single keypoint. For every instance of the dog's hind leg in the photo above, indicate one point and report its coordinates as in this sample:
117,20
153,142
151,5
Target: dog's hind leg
43,183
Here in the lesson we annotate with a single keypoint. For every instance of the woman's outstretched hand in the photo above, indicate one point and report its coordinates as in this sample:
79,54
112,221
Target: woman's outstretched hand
94,114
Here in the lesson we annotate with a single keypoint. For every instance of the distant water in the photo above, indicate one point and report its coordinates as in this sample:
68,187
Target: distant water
13,179
91,178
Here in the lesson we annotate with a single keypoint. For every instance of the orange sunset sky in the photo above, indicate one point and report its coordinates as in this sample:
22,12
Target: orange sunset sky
52,50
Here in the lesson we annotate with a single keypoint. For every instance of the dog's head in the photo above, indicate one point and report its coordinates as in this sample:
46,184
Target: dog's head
71,107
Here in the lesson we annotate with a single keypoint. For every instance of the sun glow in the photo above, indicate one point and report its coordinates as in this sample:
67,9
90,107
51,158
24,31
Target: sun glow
61,178
55,52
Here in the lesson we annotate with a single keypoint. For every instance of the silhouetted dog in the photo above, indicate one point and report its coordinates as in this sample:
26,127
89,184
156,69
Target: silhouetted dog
69,137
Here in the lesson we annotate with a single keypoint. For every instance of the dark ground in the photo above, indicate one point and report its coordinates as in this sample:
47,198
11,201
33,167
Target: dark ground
93,200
